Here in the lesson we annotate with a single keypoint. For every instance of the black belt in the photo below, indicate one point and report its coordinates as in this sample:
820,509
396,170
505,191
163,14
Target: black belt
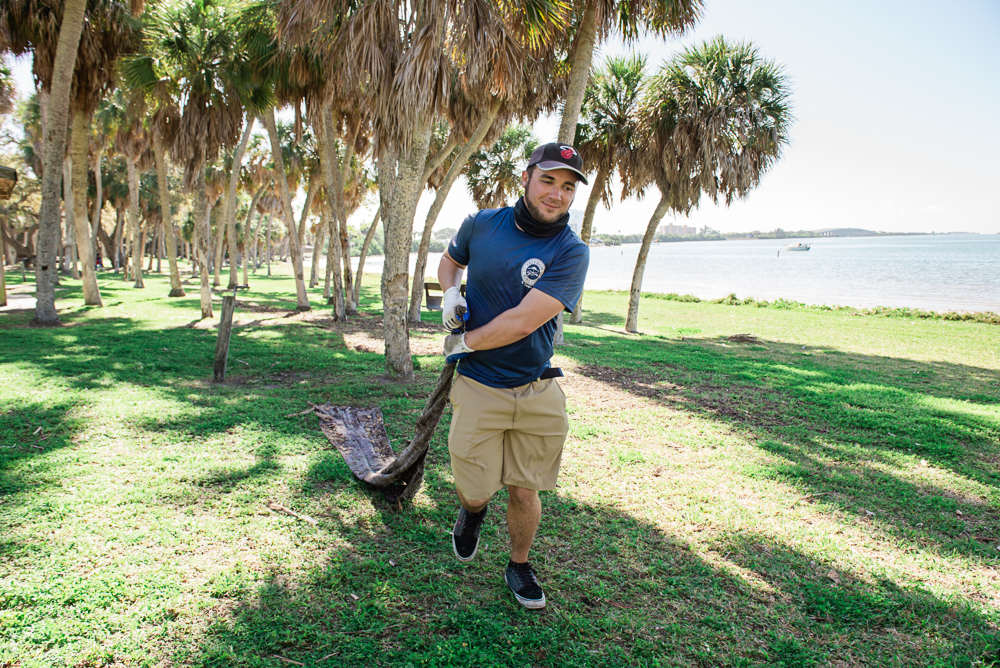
551,372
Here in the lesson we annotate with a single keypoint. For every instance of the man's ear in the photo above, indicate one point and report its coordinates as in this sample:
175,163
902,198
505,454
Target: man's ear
524,179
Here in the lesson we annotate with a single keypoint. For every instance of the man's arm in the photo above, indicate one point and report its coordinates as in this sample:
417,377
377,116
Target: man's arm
536,309
449,272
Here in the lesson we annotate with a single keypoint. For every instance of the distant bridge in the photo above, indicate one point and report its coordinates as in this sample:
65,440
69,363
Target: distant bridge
844,232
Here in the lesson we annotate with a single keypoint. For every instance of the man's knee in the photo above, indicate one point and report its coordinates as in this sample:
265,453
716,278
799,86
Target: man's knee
472,505
521,495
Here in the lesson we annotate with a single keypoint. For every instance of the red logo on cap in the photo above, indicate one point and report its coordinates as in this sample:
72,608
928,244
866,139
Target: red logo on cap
566,153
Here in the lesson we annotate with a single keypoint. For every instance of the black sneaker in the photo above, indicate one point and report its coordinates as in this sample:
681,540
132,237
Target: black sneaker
465,535
522,581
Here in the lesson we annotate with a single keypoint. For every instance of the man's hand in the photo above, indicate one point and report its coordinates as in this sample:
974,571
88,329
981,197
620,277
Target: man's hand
452,300
455,348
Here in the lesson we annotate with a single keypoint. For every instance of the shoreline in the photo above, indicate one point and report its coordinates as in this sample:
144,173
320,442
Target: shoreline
986,317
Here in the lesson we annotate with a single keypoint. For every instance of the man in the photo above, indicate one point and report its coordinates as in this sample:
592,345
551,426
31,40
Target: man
509,421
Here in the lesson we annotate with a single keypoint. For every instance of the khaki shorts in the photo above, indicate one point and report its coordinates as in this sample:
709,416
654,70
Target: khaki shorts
506,436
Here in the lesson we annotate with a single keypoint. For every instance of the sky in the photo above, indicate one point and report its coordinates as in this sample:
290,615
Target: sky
896,107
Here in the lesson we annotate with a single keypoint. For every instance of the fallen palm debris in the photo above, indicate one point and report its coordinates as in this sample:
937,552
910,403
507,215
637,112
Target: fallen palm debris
360,437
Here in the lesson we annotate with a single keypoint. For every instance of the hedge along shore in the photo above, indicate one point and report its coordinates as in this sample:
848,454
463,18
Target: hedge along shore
741,486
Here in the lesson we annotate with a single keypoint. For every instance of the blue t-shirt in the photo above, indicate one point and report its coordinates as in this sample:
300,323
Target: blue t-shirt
504,264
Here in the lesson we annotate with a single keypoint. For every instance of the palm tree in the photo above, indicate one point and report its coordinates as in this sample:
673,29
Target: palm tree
132,141
494,173
30,25
717,116
397,60
478,116
190,45
607,136
157,99
8,94
24,27
594,20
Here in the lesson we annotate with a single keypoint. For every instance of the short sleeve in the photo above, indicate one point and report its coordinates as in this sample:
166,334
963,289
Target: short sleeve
564,279
458,247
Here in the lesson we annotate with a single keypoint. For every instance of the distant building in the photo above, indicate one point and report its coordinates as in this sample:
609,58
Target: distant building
679,230
576,221
843,232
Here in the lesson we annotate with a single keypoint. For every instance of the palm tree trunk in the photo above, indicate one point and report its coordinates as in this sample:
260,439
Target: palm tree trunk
336,291
267,225
585,230
586,38
417,289
302,298
317,252
99,201
3,260
152,247
350,304
267,244
203,237
440,157
334,182
81,138
74,272
364,252
306,210
328,167
632,321
220,238
230,210
405,187
328,281
117,240
133,217
176,289
54,149
248,238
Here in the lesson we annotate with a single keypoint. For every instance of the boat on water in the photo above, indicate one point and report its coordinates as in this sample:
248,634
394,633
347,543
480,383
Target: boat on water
797,247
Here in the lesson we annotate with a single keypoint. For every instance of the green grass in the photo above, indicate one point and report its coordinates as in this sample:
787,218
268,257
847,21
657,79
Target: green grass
823,494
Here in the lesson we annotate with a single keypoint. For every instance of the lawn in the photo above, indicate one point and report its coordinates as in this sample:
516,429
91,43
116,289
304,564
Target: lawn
820,491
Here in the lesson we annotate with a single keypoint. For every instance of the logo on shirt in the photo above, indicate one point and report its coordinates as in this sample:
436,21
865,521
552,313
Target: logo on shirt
531,271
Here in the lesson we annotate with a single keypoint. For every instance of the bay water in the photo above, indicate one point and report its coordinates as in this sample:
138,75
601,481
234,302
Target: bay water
950,272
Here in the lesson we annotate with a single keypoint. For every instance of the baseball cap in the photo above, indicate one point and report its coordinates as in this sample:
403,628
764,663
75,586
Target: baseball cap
556,155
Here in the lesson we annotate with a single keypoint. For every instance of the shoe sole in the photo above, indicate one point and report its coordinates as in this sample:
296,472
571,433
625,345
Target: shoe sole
529,603
454,549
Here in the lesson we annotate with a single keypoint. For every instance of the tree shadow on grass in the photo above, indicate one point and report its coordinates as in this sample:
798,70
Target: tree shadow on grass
620,593
30,431
843,423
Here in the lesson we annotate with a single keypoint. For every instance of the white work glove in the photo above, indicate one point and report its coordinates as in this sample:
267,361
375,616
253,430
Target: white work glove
455,348
452,300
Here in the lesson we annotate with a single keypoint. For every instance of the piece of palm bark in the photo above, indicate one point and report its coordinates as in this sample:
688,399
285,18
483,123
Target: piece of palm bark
360,437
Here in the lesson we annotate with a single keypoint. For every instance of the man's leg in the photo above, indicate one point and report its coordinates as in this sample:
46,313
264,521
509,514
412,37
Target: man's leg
531,463
473,506
524,512
475,442
465,535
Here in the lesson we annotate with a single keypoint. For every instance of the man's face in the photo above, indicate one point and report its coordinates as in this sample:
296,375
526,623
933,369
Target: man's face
548,195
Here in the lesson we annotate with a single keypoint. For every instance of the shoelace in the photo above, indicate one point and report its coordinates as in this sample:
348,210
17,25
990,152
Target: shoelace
526,574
